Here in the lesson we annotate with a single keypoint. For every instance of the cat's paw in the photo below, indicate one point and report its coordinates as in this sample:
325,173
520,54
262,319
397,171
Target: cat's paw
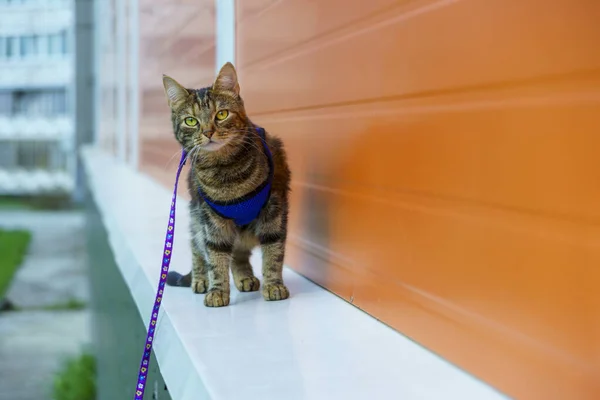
249,284
216,298
277,291
199,285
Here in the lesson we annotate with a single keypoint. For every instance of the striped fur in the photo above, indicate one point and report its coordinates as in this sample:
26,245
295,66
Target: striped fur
227,163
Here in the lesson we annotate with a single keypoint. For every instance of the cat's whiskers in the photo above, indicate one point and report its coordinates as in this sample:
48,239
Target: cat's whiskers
194,154
247,141
251,145
171,159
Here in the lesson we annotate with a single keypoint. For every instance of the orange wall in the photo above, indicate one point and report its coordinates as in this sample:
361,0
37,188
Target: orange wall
446,171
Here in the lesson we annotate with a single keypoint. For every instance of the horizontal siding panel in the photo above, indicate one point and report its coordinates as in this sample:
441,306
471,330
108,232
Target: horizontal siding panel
420,48
526,158
313,19
247,9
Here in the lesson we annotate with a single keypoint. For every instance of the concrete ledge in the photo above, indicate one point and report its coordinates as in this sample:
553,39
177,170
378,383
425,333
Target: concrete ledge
312,346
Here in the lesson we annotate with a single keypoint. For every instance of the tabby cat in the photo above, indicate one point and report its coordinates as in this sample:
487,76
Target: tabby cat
234,164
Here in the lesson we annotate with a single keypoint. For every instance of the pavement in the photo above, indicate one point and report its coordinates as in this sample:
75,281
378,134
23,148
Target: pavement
35,341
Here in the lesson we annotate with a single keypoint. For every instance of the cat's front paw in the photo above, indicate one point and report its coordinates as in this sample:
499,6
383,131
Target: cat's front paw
199,285
216,298
276,291
249,284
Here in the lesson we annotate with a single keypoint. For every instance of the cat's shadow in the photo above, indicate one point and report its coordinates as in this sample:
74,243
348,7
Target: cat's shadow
238,297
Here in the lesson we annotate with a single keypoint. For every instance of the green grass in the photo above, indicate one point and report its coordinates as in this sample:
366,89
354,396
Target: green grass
76,380
13,246
70,305
13,203
37,203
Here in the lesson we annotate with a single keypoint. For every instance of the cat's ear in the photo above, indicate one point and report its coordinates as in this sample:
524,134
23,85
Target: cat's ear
227,80
174,91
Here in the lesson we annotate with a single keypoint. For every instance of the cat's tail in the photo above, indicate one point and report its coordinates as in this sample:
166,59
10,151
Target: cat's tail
176,279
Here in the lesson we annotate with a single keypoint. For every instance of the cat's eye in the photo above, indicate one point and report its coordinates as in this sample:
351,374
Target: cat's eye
189,121
221,115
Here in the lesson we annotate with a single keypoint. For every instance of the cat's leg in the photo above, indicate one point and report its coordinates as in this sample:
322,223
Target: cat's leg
272,234
199,272
243,276
219,235
199,281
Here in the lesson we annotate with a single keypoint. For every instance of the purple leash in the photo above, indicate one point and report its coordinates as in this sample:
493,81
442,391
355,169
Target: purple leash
166,261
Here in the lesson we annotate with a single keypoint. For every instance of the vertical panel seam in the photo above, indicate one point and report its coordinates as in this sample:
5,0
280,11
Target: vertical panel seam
225,42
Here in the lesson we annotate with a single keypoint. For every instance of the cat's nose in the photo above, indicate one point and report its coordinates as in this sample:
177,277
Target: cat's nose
208,133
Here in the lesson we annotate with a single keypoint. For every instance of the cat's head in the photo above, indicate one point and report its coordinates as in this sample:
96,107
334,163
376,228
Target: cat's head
208,119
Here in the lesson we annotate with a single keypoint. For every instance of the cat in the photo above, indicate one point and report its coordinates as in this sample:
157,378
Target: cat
232,160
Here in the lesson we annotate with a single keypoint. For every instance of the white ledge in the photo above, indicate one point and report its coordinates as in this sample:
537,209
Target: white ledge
312,346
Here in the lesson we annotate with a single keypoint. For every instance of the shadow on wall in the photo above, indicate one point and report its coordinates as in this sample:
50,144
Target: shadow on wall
346,231
329,222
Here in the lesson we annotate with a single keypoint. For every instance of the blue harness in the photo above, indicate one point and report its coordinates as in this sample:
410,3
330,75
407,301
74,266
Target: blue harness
245,209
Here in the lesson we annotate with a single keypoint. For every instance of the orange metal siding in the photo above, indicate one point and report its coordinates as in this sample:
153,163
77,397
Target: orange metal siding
446,176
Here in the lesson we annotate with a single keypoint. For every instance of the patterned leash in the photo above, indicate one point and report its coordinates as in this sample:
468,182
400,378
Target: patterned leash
166,261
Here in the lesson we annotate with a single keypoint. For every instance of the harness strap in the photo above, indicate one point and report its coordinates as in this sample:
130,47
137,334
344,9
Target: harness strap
245,209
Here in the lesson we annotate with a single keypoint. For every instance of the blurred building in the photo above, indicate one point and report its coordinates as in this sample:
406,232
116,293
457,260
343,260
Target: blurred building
37,154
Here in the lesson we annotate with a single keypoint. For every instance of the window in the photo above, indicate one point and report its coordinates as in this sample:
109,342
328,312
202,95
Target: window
11,46
53,44
57,43
31,154
5,103
33,45
64,42
29,46
40,102
34,155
